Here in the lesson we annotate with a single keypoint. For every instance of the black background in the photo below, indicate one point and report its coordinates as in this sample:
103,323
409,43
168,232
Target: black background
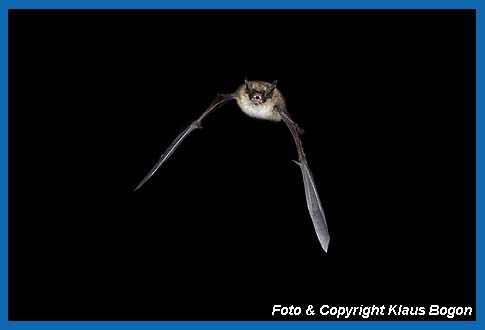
386,99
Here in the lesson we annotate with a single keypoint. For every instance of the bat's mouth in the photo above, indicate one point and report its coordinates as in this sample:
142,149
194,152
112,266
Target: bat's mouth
257,98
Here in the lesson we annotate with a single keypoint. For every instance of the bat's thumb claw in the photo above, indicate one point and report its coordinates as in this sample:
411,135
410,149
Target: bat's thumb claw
196,124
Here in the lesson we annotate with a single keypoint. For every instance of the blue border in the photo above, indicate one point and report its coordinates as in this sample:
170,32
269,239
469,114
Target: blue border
234,4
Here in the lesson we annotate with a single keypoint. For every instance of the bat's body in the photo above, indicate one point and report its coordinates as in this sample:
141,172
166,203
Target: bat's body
265,110
262,100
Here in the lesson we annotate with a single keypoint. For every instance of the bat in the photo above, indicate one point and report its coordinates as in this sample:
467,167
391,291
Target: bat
262,100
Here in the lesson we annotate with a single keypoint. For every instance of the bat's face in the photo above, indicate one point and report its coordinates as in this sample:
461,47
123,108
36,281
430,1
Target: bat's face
259,92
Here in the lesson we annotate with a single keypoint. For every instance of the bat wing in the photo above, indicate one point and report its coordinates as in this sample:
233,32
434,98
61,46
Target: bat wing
314,205
311,194
219,100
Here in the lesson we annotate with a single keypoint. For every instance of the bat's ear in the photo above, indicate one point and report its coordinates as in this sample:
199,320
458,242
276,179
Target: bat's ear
246,82
271,88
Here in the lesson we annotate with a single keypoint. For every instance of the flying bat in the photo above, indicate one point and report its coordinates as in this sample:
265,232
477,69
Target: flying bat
262,100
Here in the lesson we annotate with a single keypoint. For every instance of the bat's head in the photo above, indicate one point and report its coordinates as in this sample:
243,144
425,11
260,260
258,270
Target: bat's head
259,91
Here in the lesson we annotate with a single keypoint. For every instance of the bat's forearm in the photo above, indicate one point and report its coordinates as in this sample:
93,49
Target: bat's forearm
218,101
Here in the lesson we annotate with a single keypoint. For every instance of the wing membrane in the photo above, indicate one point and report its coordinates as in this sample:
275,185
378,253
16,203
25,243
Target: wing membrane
219,100
311,194
168,152
314,206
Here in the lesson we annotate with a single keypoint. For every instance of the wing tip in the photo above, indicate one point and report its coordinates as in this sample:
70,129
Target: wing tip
139,185
325,245
324,240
